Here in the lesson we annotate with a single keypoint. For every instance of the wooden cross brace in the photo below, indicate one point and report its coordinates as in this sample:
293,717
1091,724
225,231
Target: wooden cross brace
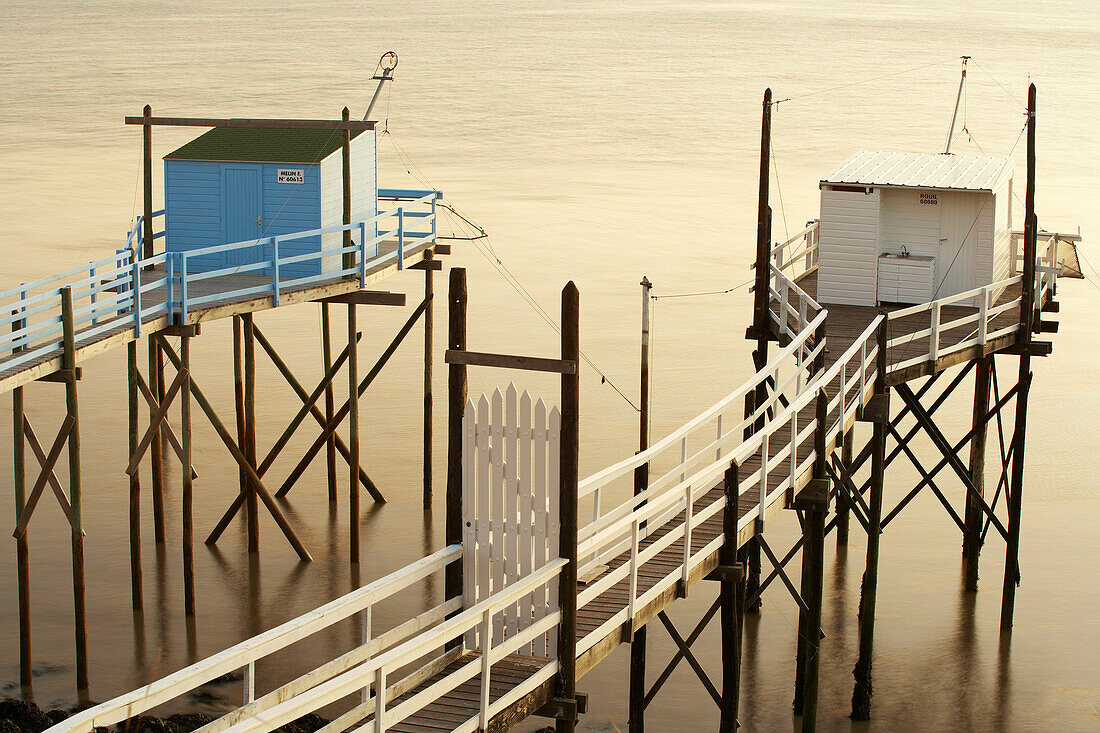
345,409
684,652
1006,457
310,408
779,567
165,427
46,475
238,455
157,421
950,455
842,479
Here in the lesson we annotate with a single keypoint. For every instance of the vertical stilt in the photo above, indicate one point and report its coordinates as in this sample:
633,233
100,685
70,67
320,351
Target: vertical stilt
813,567
330,406
187,497
861,695
22,549
156,467
569,478
1027,314
428,337
456,404
353,433
641,481
136,594
238,398
249,446
751,552
733,605
76,521
973,517
842,513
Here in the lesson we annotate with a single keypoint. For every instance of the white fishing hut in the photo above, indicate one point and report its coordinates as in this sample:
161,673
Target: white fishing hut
913,227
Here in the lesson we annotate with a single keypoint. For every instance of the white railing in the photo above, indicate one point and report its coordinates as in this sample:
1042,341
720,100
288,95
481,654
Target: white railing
245,655
934,340
798,255
125,291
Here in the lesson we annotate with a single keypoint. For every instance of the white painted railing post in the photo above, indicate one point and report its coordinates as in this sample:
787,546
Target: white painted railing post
862,370
934,337
983,316
365,637
249,682
275,269
843,397
683,456
380,700
183,288
136,300
718,451
633,583
95,314
486,666
793,458
784,299
688,509
400,238
763,473
362,254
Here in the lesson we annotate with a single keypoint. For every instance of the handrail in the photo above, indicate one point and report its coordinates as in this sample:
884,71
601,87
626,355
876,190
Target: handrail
247,652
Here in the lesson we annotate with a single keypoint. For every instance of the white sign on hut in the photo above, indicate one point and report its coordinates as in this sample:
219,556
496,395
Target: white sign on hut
913,227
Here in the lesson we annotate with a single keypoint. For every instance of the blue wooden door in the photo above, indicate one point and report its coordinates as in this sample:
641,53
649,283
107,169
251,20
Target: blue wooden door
243,206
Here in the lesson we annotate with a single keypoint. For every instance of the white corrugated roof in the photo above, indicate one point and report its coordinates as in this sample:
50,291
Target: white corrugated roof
921,170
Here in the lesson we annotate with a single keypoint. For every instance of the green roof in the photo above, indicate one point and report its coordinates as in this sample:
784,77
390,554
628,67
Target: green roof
262,145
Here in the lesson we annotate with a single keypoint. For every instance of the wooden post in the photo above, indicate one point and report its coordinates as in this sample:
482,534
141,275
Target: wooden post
22,548
641,481
353,429
136,593
156,467
1027,312
429,335
456,404
252,506
238,397
861,695
349,257
330,406
732,594
147,157
76,522
569,478
842,512
973,516
813,550
187,495
763,218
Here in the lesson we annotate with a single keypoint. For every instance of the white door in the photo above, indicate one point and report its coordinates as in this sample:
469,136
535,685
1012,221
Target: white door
955,262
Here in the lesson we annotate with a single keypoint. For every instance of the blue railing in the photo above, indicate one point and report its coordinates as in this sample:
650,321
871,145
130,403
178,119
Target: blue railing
123,291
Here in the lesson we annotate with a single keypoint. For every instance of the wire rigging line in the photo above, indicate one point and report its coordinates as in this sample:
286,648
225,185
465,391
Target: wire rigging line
1002,86
779,190
863,81
707,292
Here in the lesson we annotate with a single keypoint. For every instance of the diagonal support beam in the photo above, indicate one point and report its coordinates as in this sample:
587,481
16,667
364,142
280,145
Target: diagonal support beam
928,480
944,461
330,428
691,660
782,572
940,399
40,454
295,385
951,454
159,417
165,427
238,455
43,476
676,659
856,504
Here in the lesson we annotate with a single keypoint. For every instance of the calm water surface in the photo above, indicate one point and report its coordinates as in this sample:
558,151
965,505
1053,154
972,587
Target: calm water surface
595,141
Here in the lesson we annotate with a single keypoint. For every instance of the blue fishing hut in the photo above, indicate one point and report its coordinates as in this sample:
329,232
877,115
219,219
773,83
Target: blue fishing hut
234,184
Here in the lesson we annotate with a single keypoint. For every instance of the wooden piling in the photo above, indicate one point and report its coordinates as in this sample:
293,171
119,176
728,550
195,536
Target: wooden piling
842,510
813,568
1027,313
429,295
569,479
330,403
353,431
22,548
636,720
187,491
861,694
973,516
252,507
136,594
456,404
238,397
156,467
76,521
732,593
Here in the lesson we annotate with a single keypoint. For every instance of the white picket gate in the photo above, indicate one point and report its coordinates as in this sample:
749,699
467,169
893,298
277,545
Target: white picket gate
510,517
